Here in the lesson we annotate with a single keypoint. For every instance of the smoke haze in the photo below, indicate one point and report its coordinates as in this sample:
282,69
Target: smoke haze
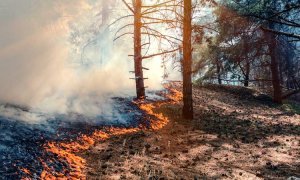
40,68
35,60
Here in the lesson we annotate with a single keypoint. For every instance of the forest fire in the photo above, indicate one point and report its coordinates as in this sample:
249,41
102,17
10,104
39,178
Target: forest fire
69,77
174,95
68,152
50,149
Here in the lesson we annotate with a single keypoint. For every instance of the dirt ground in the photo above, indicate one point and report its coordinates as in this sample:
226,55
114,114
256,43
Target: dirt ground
236,134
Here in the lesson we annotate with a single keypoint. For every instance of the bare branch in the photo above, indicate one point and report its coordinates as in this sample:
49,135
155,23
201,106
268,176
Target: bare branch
159,54
127,5
282,33
119,20
122,35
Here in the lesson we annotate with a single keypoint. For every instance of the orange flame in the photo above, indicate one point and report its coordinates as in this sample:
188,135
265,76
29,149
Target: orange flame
67,151
26,171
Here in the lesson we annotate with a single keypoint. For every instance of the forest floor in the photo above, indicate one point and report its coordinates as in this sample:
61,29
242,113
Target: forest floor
236,134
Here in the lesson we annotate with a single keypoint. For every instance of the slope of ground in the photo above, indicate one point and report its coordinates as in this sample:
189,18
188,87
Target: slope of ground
236,134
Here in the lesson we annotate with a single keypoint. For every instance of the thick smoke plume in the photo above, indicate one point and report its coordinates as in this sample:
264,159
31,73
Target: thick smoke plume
37,64
51,61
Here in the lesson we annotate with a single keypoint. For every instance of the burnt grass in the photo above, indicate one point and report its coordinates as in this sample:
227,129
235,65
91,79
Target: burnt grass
22,143
237,133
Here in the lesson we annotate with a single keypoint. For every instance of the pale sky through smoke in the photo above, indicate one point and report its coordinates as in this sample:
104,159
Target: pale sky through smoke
35,67
36,61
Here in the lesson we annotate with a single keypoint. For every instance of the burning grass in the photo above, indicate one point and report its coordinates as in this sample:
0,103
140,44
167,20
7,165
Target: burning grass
68,151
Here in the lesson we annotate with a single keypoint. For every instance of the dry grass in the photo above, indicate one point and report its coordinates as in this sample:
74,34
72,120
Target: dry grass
234,136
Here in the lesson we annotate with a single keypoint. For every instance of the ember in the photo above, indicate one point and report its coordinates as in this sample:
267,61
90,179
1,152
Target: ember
48,149
57,154
173,96
67,151
26,171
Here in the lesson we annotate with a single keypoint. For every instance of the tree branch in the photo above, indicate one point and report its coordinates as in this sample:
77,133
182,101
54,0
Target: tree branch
282,33
127,5
158,54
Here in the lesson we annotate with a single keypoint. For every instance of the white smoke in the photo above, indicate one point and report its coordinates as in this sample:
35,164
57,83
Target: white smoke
40,68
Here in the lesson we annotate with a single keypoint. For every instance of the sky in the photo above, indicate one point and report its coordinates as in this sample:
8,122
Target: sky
41,59
35,56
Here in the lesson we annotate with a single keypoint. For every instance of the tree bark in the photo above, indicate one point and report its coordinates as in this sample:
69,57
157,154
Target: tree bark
247,61
219,73
138,68
277,91
247,73
187,62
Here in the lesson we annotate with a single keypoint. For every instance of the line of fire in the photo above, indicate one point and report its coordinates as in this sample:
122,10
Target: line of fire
149,89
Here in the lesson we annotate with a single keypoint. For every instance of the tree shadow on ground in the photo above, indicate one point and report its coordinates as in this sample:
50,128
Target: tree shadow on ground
241,129
238,132
241,93
279,171
246,131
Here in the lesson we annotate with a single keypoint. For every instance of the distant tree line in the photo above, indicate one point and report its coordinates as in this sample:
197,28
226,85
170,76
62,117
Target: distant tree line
257,43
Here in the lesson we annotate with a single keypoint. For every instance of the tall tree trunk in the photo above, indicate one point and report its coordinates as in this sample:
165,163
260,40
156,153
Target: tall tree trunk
138,68
271,37
219,73
277,91
290,71
247,73
187,111
247,65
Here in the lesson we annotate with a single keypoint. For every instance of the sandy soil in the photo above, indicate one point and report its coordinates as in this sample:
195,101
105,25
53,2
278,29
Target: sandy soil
236,134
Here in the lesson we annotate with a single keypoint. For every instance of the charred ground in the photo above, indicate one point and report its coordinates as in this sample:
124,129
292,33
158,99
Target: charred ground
23,144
